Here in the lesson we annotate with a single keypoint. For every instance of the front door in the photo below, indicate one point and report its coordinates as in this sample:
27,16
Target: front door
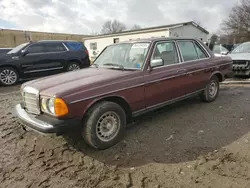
55,60
167,82
43,59
31,62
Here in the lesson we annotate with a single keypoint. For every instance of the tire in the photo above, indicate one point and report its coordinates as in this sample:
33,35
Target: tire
93,129
211,91
8,76
73,66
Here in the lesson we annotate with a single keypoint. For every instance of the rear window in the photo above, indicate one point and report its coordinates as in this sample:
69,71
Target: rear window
75,46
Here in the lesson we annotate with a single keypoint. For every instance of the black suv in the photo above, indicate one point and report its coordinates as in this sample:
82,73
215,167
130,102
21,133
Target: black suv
42,58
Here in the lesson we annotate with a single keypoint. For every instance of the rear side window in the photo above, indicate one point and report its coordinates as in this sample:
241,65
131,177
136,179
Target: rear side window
54,47
200,52
188,50
75,46
191,51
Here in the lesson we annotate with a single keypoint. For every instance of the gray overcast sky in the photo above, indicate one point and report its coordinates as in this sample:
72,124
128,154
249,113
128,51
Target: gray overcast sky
86,16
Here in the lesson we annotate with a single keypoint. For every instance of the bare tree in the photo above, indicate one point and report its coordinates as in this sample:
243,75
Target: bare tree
135,27
93,33
114,26
238,22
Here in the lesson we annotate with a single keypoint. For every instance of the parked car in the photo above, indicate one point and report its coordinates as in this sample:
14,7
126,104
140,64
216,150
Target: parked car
127,79
4,51
220,50
42,58
241,59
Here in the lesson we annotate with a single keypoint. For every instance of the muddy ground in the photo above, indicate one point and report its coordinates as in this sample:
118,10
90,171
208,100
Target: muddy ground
188,144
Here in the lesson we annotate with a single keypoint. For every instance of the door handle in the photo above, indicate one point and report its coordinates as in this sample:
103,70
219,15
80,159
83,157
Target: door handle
26,65
181,70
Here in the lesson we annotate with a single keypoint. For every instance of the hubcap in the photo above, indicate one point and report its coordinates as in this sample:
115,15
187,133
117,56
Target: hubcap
213,88
74,67
8,76
108,126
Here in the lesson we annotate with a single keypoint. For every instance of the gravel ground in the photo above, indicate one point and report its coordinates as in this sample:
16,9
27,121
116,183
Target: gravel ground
188,144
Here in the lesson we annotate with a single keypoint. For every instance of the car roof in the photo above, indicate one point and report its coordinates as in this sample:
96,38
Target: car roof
51,41
154,39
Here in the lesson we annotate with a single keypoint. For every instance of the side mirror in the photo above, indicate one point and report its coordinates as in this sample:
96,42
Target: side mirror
24,52
156,63
224,53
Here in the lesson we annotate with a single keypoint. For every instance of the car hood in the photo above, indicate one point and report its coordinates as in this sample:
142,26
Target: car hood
65,84
240,56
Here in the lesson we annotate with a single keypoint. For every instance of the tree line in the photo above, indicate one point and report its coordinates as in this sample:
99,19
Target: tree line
115,26
236,27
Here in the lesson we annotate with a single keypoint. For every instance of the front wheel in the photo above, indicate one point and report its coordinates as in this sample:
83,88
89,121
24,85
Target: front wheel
211,91
104,125
8,76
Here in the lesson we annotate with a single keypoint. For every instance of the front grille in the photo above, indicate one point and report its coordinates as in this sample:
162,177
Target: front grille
239,62
30,100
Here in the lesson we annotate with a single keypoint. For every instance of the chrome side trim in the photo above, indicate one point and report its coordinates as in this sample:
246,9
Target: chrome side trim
79,100
67,49
190,72
106,93
41,70
154,107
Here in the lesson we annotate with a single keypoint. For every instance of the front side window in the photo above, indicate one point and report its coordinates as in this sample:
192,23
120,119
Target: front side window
35,48
188,50
167,52
124,55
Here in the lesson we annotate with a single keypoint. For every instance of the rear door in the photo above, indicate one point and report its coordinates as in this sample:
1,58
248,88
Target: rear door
55,57
194,60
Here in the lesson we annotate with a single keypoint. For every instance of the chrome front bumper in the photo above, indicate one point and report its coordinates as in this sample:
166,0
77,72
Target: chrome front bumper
31,121
46,124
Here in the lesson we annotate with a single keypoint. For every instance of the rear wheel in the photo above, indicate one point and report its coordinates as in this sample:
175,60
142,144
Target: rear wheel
211,91
73,66
8,76
104,125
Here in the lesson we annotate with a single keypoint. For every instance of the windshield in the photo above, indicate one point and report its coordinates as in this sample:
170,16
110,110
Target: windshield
242,48
18,48
123,56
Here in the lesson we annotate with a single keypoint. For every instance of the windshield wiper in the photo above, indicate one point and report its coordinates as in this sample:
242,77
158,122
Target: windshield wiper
114,64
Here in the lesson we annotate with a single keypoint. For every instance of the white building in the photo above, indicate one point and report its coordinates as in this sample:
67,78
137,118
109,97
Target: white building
96,44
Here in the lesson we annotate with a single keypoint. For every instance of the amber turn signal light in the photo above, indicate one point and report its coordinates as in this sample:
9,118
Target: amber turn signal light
61,108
